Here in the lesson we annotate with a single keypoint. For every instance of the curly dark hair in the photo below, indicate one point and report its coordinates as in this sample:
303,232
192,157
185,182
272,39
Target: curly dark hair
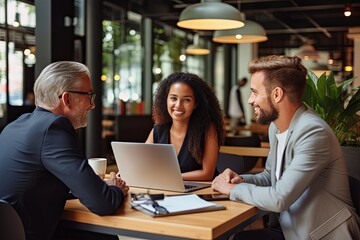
208,111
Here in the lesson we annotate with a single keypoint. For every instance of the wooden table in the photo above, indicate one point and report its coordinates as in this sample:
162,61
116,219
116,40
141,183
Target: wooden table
246,151
127,221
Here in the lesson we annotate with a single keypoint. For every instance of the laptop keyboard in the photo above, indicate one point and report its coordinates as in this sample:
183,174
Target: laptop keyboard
189,186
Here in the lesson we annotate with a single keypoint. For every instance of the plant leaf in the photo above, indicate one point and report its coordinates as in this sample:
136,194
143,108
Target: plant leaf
322,89
334,104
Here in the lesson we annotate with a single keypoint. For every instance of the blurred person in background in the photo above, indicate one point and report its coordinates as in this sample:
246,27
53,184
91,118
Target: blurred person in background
236,108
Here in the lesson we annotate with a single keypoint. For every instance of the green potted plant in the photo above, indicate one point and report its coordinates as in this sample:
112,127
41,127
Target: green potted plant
338,107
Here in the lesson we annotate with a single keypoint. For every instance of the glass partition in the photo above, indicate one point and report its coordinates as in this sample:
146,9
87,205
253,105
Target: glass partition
2,77
16,80
169,47
2,11
122,65
21,14
17,35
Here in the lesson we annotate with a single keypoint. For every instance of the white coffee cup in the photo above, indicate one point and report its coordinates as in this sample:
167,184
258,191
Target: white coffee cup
98,165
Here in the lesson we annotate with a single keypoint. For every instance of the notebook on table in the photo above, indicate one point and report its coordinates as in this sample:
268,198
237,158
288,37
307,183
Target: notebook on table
174,205
152,166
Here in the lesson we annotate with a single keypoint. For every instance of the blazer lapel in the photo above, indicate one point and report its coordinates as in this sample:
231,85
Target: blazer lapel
283,161
292,125
272,159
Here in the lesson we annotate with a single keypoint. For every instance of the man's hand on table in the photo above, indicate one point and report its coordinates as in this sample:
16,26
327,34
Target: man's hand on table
115,180
225,181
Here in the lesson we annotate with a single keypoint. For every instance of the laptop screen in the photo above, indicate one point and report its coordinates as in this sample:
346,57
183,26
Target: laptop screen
153,166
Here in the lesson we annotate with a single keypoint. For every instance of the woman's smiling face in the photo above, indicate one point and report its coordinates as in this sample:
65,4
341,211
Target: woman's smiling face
180,101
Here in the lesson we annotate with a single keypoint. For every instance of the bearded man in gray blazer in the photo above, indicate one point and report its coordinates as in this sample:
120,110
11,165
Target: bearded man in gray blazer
305,179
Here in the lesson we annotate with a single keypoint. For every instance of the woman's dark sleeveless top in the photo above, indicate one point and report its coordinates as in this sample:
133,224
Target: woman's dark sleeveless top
186,161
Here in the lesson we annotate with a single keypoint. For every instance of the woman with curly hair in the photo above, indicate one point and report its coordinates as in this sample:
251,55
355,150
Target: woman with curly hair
188,115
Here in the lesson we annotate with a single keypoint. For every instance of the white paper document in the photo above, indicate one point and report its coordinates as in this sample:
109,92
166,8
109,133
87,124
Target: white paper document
176,205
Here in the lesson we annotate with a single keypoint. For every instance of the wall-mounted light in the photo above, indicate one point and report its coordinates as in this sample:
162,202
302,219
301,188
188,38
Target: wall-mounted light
210,15
348,68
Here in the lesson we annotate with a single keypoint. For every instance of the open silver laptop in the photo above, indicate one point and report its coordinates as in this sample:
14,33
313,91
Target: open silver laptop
153,166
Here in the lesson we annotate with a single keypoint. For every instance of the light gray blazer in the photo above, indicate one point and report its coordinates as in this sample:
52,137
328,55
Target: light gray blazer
312,194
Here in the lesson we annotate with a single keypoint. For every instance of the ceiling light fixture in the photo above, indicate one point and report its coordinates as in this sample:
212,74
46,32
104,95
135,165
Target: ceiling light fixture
196,48
347,11
252,32
210,15
308,52
16,22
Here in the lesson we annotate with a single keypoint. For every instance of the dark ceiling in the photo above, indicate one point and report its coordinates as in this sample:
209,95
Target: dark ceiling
288,23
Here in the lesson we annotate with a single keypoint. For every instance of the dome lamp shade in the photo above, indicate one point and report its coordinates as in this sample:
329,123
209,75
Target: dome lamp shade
210,15
196,50
252,32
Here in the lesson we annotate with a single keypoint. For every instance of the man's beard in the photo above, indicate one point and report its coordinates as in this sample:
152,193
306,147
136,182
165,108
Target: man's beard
77,119
267,116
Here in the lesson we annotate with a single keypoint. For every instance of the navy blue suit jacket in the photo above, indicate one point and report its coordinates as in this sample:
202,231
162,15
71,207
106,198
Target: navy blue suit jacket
40,161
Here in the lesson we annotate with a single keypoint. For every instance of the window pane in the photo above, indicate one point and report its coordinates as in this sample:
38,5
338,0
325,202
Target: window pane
2,73
2,11
122,65
16,80
2,79
169,48
21,13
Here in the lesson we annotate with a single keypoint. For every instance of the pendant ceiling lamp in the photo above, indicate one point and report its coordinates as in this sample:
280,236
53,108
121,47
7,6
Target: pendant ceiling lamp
210,15
196,48
252,32
308,52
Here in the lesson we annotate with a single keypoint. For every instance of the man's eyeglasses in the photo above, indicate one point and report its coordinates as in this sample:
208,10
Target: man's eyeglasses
92,95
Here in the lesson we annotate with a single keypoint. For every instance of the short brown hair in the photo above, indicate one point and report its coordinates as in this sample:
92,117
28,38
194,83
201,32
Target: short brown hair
282,71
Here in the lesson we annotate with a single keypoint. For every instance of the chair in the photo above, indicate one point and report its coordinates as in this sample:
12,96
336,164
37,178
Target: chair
355,193
232,161
245,152
243,141
133,128
128,128
248,141
11,226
